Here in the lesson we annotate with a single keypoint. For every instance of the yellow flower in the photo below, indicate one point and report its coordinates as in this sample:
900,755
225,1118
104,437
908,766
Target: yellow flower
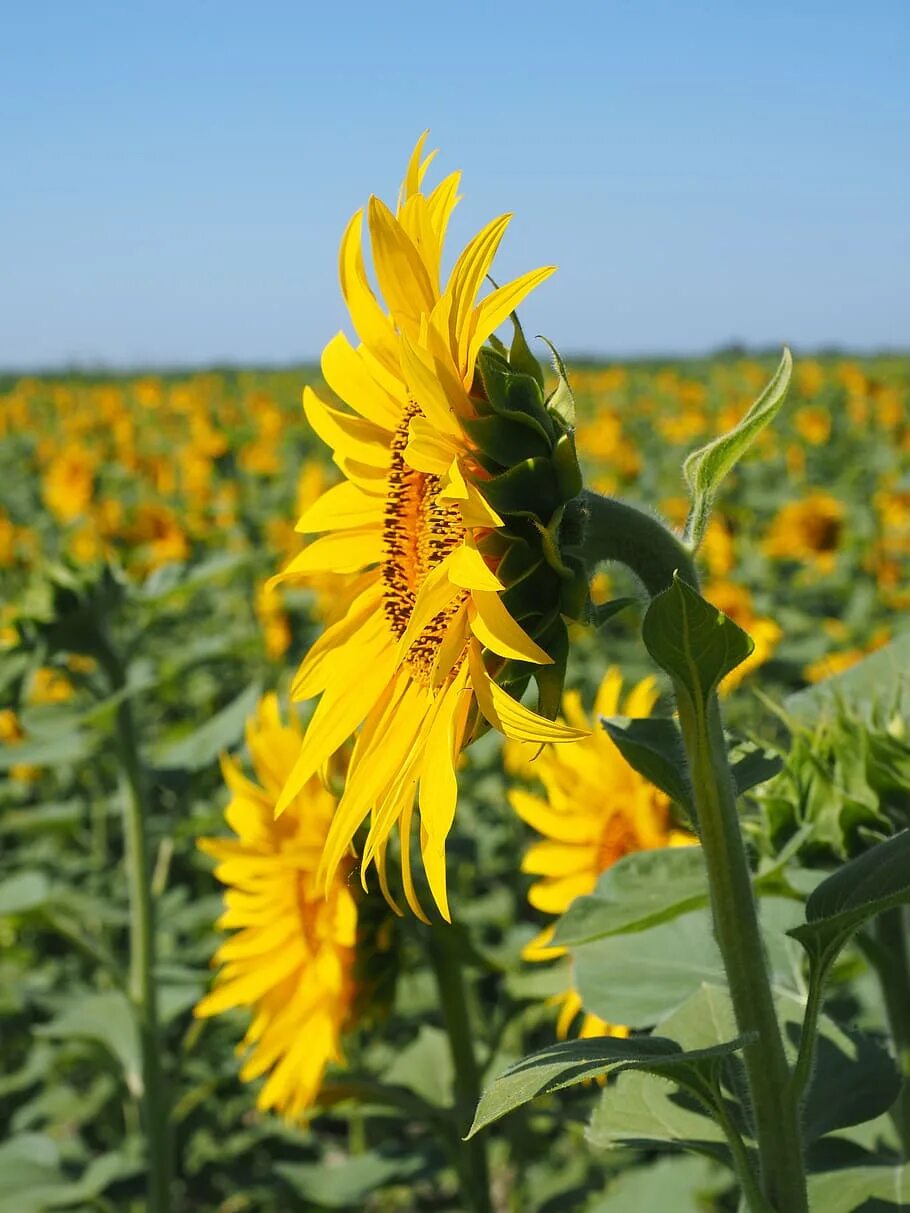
813,423
810,529
291,958
68,484
49,686
415,528
596,810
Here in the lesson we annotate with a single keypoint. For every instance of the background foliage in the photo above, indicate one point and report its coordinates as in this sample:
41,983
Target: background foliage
190,485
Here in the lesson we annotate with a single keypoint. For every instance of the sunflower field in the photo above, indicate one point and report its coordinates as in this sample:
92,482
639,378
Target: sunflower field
252,956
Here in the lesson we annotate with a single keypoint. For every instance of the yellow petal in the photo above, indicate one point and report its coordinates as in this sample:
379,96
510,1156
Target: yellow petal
469,569
497,630
467,278
435,594
428,450
352,436
342,507
402,275
338,552
348,376
507,714
499,304
373,326
426,389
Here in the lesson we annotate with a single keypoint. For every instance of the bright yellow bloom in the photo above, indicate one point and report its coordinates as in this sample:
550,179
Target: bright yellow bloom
68,483
414,659
596,810
292,956
813,423
810,529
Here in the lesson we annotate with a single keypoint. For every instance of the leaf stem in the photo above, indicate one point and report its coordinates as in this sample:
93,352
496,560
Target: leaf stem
742,1163
471,1156
142,986
802,1071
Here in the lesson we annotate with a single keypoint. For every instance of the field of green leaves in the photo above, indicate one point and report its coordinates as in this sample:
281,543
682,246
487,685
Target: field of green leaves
141,520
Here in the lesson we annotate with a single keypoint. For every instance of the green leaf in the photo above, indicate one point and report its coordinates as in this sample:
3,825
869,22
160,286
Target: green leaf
695,643
854,1079
425,1067
23,892
683,1185
861,1190
223,731
664,965
875,881
882,678
750,766
705,468
573,1061
638,891
108,1020
653,746
606,610
69,746
637,1111
350,1180
32,1181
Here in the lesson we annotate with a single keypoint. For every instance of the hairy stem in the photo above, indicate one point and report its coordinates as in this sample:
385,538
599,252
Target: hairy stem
616,531
471,1156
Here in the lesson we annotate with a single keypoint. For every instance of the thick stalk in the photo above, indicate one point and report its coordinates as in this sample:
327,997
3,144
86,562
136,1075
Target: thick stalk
616,531
775,1113
142,988
471,1156
893,967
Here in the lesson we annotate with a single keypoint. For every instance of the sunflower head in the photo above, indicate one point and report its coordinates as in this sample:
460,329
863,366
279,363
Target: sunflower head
451,533
291,957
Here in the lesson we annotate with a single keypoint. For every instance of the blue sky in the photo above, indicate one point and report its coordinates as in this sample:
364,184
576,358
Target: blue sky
177,176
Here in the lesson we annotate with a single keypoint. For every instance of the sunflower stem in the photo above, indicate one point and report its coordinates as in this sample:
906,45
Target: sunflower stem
619,532
470,1156
142,987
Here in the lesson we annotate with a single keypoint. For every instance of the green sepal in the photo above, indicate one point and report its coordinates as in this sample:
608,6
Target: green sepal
520,357
573,599
528,488
551,679
561,402
519,562
565,462
523,395
506,440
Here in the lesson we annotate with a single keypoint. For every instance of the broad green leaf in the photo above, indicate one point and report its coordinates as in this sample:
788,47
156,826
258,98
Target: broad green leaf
875,881
108,1020
861,1190
23,892
638,891
653,747
750,766
425,1067
223,731
348,1181
706,468
49,751
695,643
605,611
680,1185
573,1061
637,1111
881,679
639,978
32,1180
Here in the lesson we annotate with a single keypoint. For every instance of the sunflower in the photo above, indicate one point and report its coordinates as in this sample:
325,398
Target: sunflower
452,529
292,957
808,530
596,810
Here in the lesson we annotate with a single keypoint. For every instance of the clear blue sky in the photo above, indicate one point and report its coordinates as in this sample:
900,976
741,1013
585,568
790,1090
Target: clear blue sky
176,175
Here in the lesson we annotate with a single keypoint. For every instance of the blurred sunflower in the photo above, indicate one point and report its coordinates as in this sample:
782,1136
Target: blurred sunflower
596,810
809,530
448,442
291,959
736,602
